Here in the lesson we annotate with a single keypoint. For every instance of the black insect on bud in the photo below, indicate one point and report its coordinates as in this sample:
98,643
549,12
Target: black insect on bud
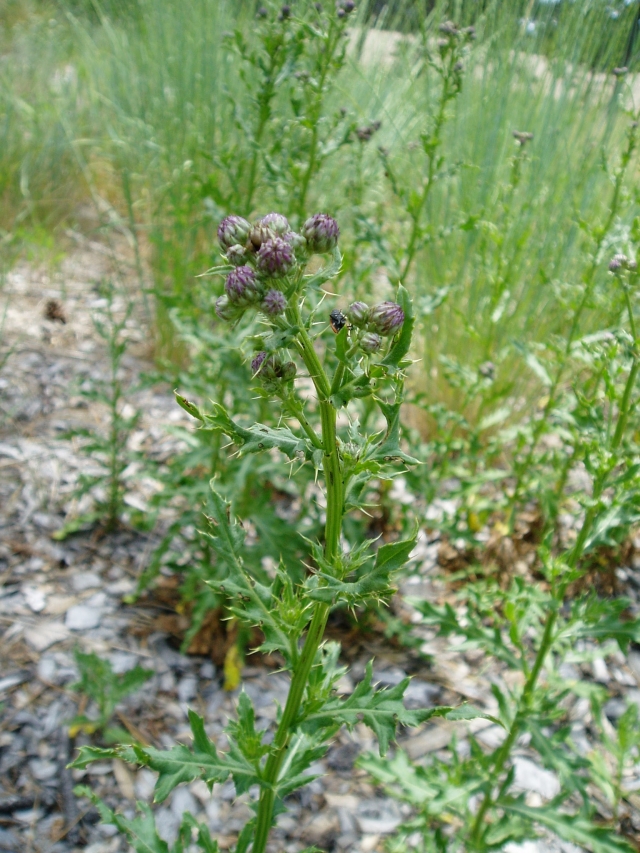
337,320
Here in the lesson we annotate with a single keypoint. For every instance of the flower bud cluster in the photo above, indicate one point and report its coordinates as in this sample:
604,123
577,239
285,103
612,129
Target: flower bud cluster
265,254
272,371
374,324
622,262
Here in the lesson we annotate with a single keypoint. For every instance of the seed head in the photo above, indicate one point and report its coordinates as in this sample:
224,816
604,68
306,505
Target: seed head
321,233
233,230
370,342
358,313
236,255
274,303
242,286
259,234
276,222
386,318
275,258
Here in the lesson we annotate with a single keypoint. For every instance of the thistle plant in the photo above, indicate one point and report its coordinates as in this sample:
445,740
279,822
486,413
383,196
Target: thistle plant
345,360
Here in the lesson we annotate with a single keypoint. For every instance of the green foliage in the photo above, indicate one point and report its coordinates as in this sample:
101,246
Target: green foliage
109,447
101,685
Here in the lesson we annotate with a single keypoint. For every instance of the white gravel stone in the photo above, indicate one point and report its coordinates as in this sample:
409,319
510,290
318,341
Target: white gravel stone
530,777
82,617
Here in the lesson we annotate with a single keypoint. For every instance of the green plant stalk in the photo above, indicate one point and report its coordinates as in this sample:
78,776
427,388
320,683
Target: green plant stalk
316,112
333,478
523,704
434,144
572,561
589,280
264,101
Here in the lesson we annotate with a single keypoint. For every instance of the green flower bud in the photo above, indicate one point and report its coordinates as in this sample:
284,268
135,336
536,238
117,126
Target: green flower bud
226,310
276,222
236,255
358,313
370,342
233,230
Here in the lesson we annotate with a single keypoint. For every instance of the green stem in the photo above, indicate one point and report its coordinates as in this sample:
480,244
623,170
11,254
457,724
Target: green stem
589,281
505,750
434,142
333,477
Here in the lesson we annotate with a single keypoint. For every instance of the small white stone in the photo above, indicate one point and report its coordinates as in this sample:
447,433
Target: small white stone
35,597
82,617
85,580
530,777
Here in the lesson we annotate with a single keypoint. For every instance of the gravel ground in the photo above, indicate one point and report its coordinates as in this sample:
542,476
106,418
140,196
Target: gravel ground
59,596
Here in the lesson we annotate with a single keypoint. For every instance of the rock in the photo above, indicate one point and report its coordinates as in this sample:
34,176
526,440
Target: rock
85,580
35,597
167,825
45,634
342,758
82,617
530,777
183,801
600,671
187,688
378,816
43,770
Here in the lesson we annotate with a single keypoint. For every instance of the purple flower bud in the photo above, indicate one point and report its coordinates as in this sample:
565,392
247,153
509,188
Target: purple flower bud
257,360
285,13
226,310
370,342
242,286
232,230
321,233
275,258
276,222
262,12
274,303
236,255
621,261
386,318
358,313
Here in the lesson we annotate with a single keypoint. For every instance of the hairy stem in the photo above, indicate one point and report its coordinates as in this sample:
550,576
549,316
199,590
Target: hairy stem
333,478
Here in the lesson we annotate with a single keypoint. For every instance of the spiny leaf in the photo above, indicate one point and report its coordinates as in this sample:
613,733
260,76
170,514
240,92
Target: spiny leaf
382,710
373,583
389,448
577,829
393,361
257,437
140,832
182,764
189,407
